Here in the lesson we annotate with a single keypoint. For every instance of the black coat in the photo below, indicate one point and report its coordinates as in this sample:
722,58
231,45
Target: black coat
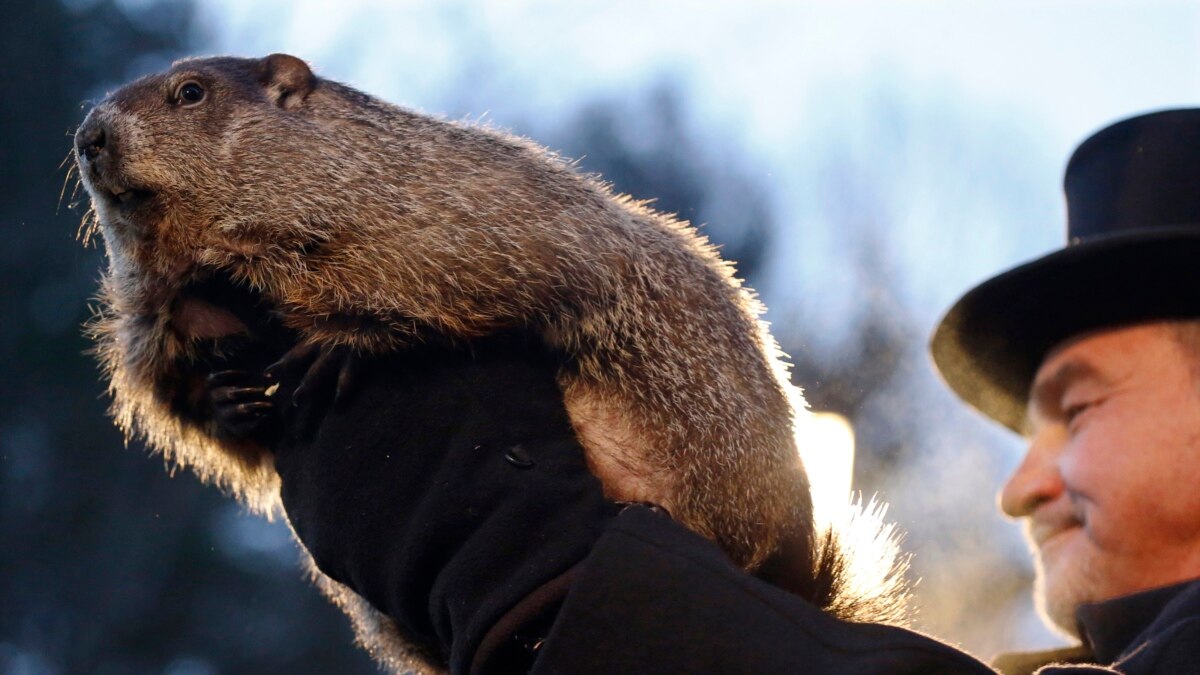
411,494
653,597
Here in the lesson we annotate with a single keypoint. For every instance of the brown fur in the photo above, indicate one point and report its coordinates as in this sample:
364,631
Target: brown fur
366,224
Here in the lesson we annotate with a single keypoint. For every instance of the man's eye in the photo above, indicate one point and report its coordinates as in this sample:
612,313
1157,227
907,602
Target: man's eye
1072,412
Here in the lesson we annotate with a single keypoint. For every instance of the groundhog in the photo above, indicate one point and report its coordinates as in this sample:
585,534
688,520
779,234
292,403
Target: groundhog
226,189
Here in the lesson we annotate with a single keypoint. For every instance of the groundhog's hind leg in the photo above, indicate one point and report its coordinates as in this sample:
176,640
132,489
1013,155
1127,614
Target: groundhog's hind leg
616,450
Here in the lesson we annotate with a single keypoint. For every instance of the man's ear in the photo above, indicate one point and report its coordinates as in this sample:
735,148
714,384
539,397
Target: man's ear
288,80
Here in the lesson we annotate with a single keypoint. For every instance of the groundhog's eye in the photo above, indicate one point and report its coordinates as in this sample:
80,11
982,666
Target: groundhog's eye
189,93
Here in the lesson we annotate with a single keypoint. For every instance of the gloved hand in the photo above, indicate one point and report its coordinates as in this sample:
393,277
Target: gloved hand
450,492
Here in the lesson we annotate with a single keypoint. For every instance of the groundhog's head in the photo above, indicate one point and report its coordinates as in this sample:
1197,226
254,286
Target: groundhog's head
158,158
191,172
245,170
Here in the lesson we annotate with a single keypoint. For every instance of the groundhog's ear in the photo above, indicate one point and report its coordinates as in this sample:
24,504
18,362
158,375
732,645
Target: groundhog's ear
288,80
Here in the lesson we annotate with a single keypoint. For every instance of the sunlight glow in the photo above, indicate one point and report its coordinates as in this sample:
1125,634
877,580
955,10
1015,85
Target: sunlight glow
826,442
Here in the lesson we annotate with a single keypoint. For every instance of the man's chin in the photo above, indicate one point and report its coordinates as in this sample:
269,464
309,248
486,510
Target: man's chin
1061,583
1055,607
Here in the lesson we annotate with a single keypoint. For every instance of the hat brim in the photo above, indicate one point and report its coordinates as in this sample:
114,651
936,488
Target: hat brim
990,344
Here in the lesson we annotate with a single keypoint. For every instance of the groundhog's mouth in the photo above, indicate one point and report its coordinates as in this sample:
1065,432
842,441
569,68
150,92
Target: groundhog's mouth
127,198
216,306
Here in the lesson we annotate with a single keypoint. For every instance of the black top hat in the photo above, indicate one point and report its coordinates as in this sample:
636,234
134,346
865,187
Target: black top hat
1132,255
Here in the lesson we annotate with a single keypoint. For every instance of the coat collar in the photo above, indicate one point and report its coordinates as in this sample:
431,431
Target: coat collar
1110,628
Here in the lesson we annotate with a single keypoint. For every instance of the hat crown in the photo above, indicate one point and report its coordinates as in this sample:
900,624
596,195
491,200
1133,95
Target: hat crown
1138,174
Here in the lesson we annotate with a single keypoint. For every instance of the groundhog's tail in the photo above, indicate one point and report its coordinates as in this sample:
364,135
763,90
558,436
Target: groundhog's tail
859,571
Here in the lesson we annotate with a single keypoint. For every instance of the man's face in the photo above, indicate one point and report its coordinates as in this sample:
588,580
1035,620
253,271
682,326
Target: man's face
1110,485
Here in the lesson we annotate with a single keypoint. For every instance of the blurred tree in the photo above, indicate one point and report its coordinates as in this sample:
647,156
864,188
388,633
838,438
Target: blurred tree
108,564
645,146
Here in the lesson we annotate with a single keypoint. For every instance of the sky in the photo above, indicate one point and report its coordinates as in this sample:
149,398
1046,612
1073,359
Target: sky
946,125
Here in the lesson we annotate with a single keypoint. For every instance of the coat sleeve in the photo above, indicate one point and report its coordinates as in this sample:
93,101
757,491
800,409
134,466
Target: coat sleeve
653,597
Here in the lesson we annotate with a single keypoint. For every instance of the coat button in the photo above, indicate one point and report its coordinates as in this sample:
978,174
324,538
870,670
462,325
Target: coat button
518,457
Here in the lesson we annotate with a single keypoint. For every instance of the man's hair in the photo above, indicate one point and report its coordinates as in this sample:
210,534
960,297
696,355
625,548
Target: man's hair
1187,333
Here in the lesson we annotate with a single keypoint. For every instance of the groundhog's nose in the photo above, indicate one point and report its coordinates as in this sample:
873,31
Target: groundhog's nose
91,139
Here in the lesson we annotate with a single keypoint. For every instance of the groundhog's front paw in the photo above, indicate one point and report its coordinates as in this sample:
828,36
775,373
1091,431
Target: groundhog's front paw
326,376
242,406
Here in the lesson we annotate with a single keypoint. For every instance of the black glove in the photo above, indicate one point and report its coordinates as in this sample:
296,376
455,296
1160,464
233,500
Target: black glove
450,492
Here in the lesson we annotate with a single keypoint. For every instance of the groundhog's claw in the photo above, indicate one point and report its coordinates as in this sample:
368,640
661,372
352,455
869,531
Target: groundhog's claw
242,408
329,373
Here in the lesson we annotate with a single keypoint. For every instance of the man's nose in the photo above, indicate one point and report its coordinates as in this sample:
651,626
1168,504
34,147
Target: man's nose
1037,479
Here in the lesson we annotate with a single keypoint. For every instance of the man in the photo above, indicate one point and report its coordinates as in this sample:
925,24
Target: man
1092,353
